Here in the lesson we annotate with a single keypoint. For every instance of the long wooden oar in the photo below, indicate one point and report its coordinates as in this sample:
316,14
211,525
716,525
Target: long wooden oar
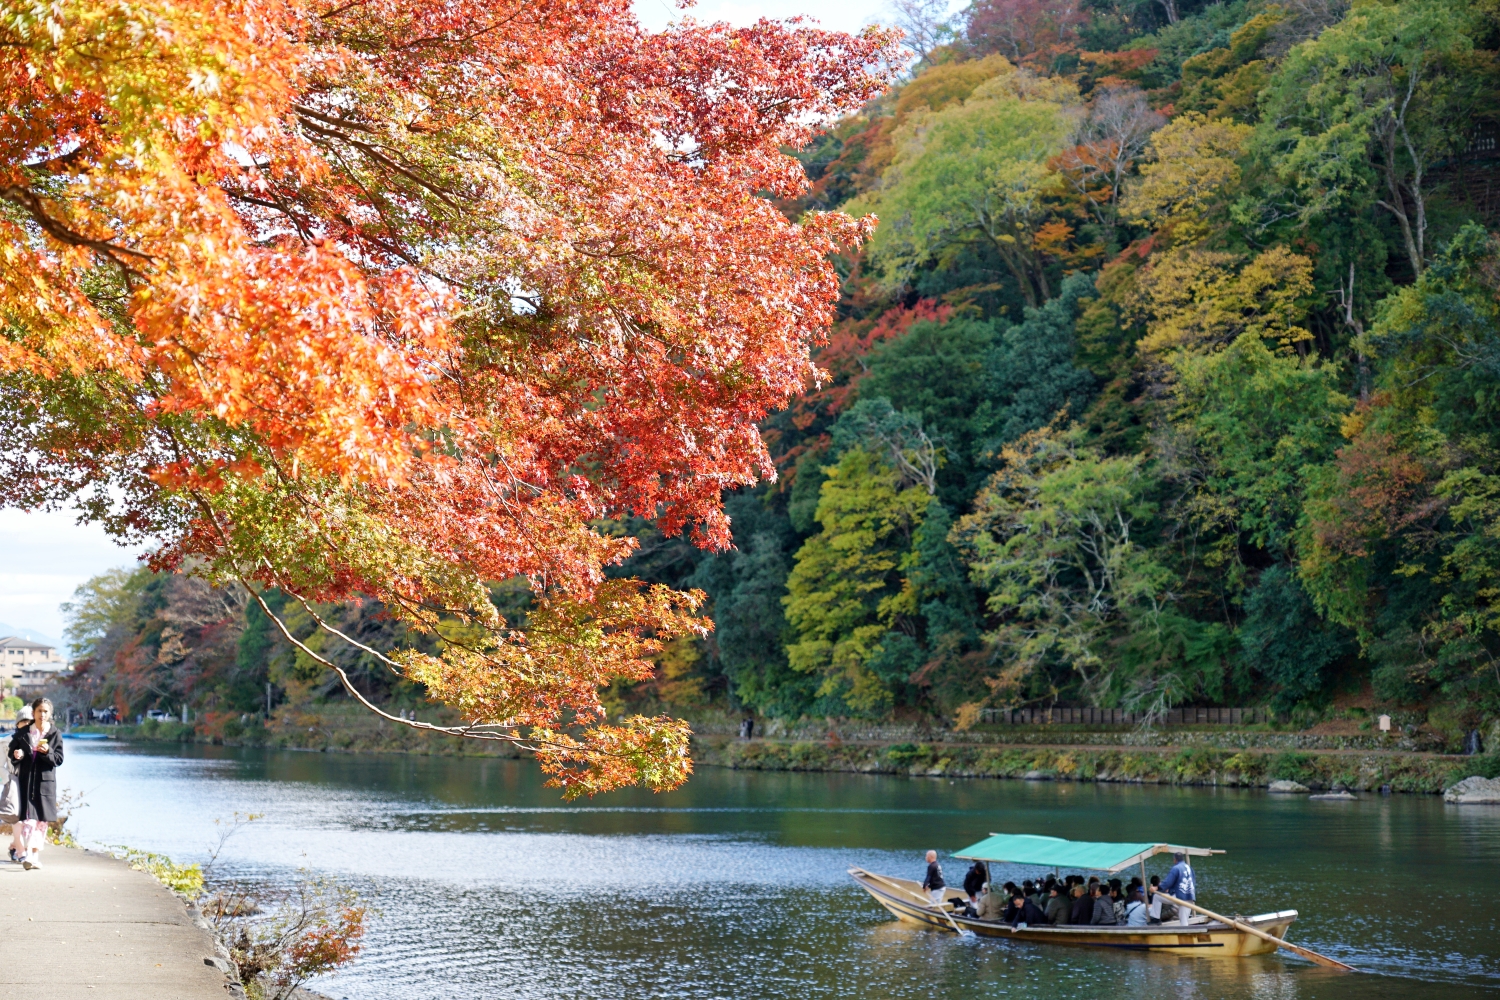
1295,949
926,903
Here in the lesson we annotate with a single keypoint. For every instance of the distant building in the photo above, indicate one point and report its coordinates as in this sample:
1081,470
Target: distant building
28,668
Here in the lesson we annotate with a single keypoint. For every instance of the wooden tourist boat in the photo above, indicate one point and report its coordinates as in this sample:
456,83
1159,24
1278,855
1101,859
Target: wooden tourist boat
1202,936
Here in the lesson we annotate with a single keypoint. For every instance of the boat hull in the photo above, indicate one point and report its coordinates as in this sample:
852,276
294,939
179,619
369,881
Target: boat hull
904,899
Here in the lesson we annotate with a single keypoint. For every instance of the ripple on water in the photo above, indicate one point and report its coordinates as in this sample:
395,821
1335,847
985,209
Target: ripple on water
735,887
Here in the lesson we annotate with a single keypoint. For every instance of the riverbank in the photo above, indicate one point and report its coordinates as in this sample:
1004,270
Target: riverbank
1353,769
124,935
1215,756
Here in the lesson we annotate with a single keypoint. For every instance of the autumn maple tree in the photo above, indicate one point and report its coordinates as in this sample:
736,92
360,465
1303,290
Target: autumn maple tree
394,298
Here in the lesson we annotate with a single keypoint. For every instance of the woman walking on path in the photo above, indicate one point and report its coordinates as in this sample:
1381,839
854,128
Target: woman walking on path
37,752
10,811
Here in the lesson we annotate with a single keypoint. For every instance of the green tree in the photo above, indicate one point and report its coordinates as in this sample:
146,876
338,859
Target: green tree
1284,640
1399,536
937,372
1248,425
745,586
974,172
1361,114
843,591
1030,375
1054,541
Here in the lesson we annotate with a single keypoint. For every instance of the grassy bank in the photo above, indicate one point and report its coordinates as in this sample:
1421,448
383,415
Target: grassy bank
1354,770
1227,758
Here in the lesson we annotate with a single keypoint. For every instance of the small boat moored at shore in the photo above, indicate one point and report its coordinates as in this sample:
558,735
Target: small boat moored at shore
1200,936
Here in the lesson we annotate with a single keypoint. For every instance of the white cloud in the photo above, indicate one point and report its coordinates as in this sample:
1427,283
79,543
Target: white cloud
44,556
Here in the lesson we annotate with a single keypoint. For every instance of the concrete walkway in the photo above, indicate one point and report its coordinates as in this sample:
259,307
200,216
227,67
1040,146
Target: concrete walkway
86,925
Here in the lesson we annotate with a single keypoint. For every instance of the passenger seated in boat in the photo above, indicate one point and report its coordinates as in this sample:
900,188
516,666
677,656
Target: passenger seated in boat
1023,911
1153,900
1104,908
992,905
1135,909
974,880
1082,911
1057,904
1117,900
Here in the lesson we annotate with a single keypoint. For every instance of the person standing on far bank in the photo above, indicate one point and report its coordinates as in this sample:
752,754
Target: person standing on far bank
37,753
934,883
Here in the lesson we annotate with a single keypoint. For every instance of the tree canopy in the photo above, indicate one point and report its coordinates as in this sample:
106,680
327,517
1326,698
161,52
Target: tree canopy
1159,369
397,298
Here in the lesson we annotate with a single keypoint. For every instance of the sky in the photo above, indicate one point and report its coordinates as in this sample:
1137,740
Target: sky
47,555
835,15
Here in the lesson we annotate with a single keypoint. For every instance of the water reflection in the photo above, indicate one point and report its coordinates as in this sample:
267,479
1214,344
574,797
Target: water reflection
735,886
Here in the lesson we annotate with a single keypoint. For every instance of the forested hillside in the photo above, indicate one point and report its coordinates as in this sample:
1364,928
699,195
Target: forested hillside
1171,375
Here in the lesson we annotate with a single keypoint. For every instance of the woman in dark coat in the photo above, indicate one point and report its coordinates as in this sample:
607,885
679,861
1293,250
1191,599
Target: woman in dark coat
37,753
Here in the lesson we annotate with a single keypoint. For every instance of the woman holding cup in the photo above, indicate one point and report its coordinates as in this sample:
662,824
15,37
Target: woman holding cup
37,753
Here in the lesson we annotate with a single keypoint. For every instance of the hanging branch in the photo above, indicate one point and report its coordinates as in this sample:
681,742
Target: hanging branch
473,731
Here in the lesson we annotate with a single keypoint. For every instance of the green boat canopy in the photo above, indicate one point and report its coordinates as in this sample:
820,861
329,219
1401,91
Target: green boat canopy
1054,852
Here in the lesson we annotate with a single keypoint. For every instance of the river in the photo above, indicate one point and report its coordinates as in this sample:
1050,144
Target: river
735,886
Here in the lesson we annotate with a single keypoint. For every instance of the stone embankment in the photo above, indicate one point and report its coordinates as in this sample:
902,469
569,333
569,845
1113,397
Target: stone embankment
1173,760
85,925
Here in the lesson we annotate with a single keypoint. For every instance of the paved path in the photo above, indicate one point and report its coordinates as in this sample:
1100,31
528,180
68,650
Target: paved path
86,925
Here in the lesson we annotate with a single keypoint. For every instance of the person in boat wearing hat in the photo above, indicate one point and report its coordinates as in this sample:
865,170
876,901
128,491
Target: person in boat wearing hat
992,905
1179,884
974,881
933,883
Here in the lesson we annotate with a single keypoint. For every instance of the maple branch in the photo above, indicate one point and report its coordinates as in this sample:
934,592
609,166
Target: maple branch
468,732
29,202
451,39
379,157
342,9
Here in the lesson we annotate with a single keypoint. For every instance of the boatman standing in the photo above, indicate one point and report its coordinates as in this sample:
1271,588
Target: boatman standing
1179,883
934,883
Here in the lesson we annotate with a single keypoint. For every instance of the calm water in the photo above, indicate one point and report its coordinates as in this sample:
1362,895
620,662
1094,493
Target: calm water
735,886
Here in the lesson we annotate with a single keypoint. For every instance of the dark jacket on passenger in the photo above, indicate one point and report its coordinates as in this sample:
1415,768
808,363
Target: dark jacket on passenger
1026,913
975,879
1057,910
1082,911
1104,911
38,774
934,879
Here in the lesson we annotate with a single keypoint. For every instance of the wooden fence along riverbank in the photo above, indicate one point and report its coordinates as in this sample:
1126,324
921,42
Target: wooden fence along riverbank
1120,717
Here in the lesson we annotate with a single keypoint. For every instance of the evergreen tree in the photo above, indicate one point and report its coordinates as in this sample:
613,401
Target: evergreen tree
1030,376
